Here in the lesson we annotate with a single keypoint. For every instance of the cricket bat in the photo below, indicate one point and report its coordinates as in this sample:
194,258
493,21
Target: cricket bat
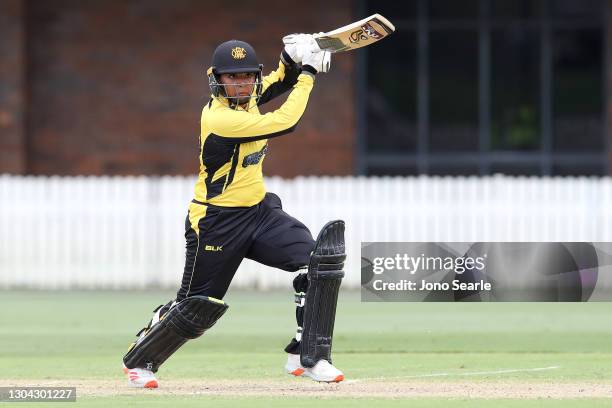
355,35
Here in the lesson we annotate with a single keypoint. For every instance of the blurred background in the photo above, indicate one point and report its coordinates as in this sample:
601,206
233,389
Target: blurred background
99,118
470,87
488,86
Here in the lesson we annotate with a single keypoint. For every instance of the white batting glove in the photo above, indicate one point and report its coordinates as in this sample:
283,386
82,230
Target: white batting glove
319,60
296,45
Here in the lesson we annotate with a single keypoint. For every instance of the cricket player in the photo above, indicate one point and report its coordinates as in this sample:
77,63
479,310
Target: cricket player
232,217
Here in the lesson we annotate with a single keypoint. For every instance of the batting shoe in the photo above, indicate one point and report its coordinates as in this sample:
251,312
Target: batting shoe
323,371
293,365
140,378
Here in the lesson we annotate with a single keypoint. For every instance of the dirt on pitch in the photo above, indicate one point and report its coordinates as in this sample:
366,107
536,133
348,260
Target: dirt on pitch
303,387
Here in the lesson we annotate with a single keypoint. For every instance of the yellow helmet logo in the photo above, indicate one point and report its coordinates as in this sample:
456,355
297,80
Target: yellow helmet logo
238,53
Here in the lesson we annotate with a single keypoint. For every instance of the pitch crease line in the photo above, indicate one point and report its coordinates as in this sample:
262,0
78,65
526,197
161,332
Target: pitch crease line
514,370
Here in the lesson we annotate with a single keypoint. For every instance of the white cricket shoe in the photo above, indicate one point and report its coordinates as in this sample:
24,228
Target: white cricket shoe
140,378
293,365
323,371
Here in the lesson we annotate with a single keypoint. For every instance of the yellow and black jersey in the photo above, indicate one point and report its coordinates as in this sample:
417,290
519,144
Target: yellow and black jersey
233,141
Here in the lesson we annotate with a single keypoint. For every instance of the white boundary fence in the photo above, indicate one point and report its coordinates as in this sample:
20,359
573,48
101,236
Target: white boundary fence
127,232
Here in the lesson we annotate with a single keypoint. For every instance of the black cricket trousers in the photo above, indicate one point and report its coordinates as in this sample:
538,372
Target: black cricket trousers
219,238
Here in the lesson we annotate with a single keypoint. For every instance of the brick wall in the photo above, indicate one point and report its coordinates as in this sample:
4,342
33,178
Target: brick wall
117,87
12,91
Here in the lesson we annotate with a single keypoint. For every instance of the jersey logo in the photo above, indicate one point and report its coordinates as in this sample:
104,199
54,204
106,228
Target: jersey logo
254,158
214,248
238,53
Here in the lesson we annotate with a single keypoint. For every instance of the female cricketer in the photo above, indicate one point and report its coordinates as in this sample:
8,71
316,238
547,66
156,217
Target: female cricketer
232,217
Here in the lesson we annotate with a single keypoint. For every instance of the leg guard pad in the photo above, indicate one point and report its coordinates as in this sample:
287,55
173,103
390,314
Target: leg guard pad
324,276
188,319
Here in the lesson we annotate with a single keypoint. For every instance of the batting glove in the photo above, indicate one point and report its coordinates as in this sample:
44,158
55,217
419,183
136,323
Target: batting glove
319,60
297,44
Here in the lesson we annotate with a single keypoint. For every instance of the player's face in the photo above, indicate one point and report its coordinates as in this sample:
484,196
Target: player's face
239,85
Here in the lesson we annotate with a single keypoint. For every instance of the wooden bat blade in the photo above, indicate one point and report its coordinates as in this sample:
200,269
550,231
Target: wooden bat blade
356,35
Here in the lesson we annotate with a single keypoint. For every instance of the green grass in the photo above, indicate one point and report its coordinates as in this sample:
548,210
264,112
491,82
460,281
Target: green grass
256,402
82,335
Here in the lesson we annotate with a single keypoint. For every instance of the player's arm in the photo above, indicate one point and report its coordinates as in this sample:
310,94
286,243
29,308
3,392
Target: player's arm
280,81
237,126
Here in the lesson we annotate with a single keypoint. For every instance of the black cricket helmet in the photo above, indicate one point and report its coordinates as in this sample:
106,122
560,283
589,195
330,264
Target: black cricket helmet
234,56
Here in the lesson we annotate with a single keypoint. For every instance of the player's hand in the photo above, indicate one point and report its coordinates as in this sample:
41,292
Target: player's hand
319,60
297,44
